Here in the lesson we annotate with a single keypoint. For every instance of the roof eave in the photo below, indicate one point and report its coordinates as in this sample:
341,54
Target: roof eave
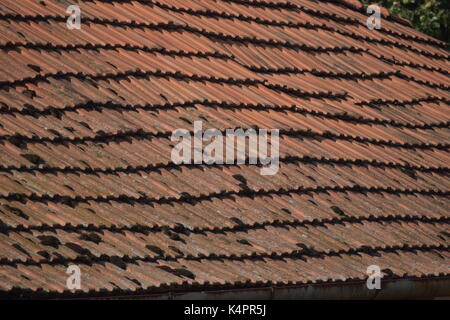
421,288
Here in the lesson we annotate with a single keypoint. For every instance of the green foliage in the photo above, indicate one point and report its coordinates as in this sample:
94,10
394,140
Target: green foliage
428,16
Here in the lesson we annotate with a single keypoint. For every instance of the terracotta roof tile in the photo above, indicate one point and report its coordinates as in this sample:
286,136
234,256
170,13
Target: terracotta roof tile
86,176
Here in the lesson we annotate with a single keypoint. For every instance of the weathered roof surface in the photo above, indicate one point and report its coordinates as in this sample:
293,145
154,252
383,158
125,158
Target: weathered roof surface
87,179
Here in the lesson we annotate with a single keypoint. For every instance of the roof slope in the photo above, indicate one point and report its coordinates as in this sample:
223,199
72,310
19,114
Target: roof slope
86,176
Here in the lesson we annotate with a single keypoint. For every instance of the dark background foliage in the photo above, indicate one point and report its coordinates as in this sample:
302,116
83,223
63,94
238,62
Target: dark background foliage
428,16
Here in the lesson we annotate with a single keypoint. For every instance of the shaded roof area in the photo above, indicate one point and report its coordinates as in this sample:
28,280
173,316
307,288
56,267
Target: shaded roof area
86,117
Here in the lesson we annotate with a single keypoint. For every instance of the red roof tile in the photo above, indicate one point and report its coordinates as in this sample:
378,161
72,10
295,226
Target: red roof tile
86,176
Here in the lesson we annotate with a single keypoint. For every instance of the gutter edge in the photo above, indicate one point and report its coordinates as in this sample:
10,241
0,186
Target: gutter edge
427,288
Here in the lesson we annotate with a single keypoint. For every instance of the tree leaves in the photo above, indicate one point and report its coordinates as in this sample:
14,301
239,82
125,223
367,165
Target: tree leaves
428,16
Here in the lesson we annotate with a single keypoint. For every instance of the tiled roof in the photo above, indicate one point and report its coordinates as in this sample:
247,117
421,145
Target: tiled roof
85,168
